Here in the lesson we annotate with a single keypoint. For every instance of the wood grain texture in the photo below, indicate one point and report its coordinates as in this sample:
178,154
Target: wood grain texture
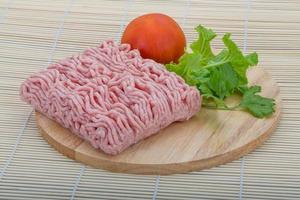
210,138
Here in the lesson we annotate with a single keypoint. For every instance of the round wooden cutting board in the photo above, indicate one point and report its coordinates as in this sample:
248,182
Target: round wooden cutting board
210,138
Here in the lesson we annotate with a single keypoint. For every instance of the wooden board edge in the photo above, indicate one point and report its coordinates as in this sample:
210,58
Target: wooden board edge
63,149
184,167
161,169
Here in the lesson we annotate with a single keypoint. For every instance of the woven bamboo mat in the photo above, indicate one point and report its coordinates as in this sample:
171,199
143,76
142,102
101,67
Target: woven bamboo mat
34,33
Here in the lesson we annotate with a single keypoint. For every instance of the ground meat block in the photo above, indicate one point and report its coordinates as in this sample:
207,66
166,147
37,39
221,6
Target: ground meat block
110,96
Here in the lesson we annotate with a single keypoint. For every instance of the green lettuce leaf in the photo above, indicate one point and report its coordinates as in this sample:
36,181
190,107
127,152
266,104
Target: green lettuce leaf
202,45
221,75
223,81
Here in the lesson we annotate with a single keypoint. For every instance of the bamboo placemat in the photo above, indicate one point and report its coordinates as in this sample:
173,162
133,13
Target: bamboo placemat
34,33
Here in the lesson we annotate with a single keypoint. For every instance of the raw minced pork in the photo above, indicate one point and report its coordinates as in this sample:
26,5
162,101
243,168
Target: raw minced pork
110,96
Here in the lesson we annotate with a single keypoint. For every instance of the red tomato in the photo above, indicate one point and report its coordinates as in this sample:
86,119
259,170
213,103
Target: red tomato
156,36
